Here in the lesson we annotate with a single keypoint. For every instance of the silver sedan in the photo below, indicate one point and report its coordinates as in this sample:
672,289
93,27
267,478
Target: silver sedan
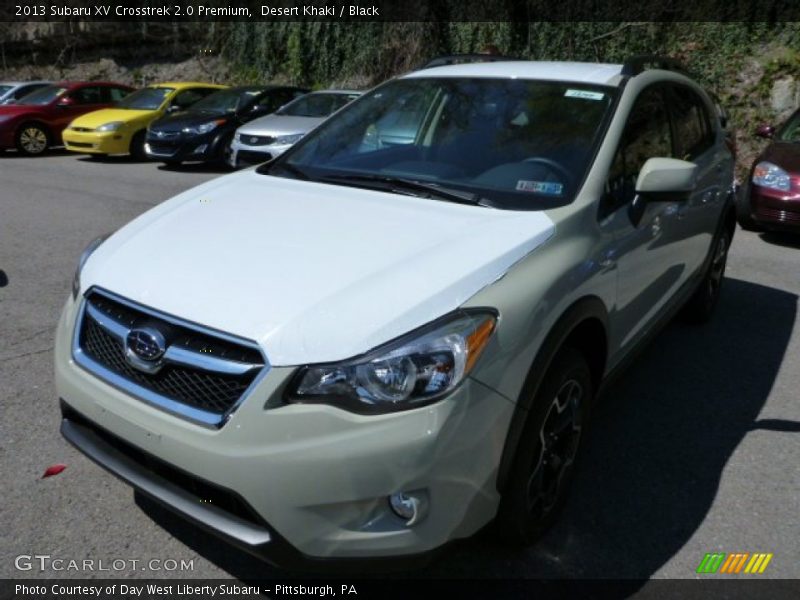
265,138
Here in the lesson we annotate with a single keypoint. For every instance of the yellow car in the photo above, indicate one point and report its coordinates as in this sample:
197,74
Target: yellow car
121,129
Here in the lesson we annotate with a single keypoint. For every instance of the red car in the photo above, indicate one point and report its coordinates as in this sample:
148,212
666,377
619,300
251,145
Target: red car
771,198
35,123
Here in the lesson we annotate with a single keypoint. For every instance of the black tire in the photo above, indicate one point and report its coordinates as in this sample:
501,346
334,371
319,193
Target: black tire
743,217
136,149
224,150
543,466
32,139
701,305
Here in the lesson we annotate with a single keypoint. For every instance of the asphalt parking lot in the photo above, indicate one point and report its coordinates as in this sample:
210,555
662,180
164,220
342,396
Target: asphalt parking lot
695,450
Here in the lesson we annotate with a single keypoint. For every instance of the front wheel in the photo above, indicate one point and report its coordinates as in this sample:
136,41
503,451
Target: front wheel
136,149
32,139
701,305
544,463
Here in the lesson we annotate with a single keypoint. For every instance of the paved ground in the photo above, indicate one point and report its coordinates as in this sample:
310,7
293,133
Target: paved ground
696,450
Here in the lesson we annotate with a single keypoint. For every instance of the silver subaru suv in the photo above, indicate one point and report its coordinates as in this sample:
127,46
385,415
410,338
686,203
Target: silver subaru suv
392,335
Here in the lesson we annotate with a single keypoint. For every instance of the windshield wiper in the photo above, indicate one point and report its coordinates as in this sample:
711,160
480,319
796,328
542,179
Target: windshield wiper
410,186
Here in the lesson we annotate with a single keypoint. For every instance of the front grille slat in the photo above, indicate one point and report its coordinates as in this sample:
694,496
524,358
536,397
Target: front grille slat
209,391
256,140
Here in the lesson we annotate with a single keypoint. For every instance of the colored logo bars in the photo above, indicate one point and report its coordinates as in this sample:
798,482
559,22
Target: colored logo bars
738,562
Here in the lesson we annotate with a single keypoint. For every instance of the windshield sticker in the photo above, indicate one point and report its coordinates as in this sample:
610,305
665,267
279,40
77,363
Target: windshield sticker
548,188
585,94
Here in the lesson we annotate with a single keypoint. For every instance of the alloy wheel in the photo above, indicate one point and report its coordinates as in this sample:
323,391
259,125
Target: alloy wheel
33,140
558,444
717,269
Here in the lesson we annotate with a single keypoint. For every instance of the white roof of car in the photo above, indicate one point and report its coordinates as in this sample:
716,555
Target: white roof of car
597,73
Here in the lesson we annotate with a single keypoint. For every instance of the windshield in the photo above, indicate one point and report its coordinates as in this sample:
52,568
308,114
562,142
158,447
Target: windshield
316,105
520,144
225,101
145,99
42,96
790,132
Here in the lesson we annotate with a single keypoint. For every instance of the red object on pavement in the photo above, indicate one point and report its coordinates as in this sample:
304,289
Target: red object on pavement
54,470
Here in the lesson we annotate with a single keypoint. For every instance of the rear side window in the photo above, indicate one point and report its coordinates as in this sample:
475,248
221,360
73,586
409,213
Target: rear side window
693,132
646,135
116,94
88,95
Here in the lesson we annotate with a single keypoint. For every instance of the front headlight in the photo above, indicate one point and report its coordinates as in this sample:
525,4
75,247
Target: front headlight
76,279
288,139
412,371
113,126
768,175
204,128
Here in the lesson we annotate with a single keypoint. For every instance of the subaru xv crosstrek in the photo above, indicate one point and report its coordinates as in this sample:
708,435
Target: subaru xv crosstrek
368,350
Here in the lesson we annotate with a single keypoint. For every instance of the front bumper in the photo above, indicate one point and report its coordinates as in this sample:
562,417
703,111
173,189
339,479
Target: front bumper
197,148
112,142
7,138
315,478
242,155
773,209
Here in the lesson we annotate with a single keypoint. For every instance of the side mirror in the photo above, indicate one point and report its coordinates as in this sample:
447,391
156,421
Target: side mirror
65,101
173,108
666,179
765,131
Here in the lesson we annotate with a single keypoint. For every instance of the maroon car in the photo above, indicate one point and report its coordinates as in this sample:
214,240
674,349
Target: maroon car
771,198
35,123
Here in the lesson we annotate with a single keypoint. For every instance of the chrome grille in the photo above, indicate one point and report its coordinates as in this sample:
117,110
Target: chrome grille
202,376
778,215
255,140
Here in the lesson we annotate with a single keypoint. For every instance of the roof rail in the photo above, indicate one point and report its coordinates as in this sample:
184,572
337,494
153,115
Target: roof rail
637,64
457,59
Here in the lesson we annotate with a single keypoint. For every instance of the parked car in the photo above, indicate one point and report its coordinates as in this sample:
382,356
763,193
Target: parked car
770,200
270,136
35,122
204,131
121,129
12,91
356,352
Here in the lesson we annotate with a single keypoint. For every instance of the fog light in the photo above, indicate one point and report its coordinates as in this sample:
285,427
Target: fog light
409,506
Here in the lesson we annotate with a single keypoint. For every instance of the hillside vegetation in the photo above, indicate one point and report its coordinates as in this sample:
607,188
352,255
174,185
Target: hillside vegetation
753,67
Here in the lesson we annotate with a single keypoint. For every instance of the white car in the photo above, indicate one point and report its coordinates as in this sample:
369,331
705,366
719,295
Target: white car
267,137
12,91
384,340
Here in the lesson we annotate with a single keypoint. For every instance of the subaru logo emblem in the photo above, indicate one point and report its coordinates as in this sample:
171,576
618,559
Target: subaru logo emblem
160,134
253,140
143,347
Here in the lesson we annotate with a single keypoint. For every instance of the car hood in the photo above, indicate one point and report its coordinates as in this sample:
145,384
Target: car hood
280,125
312,272
189,118
20,109
100,117
784,154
